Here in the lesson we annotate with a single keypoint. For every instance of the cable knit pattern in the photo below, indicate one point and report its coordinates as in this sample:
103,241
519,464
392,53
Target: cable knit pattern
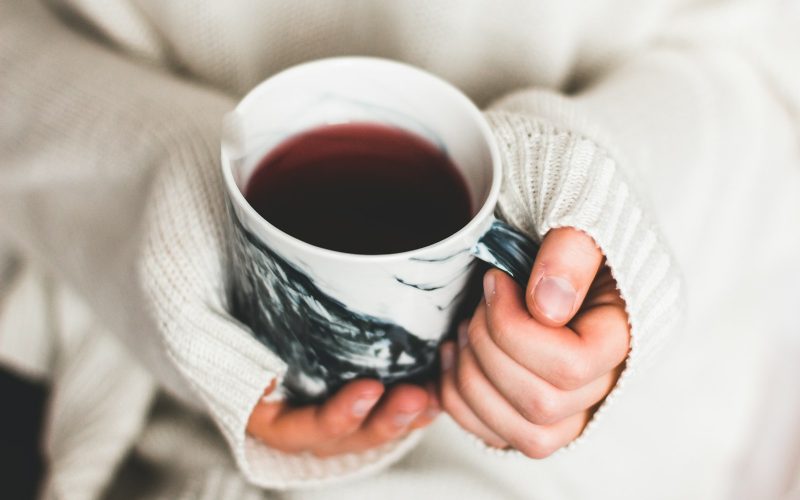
109,182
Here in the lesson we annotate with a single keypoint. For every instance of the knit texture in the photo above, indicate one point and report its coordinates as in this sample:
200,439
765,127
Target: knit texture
665,130
182,274
154,257
93,377
559,178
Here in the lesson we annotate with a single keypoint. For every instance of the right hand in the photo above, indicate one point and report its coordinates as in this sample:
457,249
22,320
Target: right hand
360,416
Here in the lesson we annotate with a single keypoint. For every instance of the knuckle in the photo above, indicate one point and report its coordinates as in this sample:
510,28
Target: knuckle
500,331
622,342
542,409
337,426
448,397
448,400
572,373
581,245
533,444
476,334
383,434
465,382
383,430
587,250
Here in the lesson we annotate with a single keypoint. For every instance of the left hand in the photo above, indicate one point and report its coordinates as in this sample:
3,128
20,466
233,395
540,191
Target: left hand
530,369
360,416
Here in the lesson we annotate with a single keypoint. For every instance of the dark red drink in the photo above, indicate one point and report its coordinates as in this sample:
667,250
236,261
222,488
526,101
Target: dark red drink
360,188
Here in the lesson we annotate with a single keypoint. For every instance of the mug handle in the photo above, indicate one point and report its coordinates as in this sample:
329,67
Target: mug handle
507,249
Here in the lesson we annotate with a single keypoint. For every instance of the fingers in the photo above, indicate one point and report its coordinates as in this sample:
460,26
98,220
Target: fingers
534,441
396,413
404,408
522,376
536,400
564,269
454,404
565,358
293,430
433,409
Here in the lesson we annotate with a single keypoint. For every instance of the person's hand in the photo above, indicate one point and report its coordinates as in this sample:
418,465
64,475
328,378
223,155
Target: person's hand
530,369
358,417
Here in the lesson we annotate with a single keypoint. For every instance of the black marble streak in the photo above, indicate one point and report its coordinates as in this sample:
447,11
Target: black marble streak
508,249
324,343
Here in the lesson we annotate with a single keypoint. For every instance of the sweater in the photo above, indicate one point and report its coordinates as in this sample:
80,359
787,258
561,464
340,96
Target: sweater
667,130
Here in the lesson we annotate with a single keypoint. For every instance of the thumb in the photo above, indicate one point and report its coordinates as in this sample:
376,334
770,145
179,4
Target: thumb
566,265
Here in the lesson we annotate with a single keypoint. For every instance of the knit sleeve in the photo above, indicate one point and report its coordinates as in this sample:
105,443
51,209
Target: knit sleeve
110,179
557,177
658,154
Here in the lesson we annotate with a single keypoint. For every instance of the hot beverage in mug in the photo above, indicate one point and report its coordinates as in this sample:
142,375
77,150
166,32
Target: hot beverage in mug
361,188
361,195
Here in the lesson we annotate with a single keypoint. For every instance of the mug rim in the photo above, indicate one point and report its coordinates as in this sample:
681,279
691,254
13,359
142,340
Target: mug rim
484,213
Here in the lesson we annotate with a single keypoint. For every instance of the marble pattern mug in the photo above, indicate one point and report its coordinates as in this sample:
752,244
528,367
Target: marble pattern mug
334,316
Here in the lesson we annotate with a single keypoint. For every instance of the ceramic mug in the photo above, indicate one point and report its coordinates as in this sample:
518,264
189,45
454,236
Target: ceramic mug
334,316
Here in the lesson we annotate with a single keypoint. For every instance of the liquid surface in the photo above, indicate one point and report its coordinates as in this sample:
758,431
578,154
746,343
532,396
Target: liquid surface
360,188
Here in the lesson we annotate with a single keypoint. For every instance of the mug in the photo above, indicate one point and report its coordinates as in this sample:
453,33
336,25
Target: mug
333,316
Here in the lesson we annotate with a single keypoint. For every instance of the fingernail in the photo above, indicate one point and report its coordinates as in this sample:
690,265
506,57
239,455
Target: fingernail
554,297
404,419
488,287
462,335
362,406
446,358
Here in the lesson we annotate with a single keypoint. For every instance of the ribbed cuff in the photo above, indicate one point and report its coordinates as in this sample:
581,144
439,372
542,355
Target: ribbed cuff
230,371
181,270
556,177
269,468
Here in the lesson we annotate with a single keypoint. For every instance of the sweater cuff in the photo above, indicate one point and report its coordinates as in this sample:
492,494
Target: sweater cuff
273,469
182,272
554,177
230,371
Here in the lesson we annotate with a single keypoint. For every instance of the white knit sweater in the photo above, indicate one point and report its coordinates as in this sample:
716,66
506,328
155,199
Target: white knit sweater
666,130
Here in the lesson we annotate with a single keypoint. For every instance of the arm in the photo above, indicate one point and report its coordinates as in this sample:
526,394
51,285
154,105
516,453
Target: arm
110,179
699,112
653,161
